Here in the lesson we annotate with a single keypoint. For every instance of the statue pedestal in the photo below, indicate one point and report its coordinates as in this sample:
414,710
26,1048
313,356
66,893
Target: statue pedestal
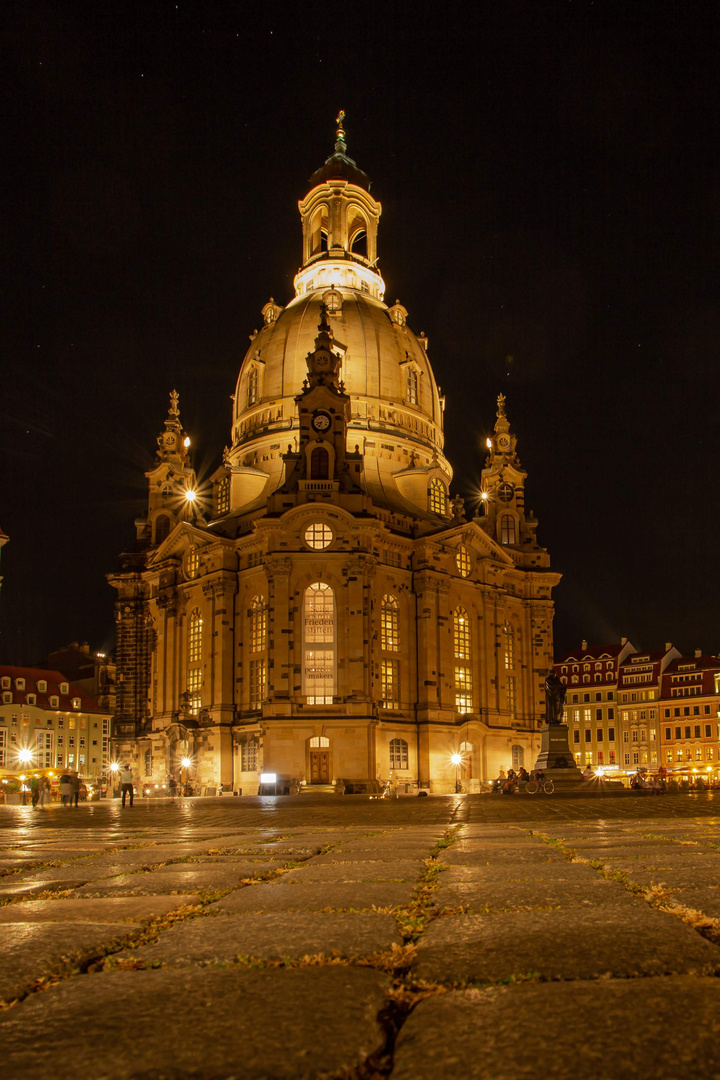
555,758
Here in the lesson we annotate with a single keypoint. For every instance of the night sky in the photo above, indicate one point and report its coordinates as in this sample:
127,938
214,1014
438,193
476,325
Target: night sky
549,180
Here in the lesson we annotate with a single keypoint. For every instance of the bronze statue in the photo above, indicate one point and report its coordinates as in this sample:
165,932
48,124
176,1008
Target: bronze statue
554,699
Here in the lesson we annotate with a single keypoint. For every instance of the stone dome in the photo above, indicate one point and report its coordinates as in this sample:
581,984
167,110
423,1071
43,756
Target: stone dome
396,408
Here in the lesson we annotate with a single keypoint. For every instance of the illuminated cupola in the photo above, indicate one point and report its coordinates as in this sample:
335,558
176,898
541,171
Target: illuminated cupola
503,488
171,482
340,224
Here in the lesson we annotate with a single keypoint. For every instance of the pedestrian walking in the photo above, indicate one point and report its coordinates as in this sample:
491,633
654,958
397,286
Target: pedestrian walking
172,786
34,791
45,789
66,789
126,779
75,783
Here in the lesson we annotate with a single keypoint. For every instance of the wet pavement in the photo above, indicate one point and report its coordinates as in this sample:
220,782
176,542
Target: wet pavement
357,939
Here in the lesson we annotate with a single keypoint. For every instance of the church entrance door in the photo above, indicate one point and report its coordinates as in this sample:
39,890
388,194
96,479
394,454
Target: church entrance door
319,766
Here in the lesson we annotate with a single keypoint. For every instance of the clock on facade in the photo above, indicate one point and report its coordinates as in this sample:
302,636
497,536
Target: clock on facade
169,439
503,442
321,421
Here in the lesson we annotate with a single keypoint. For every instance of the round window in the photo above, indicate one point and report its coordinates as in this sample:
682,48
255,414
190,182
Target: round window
462,561
318,535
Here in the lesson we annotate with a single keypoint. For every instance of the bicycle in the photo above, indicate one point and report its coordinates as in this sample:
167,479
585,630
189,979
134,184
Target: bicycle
545,786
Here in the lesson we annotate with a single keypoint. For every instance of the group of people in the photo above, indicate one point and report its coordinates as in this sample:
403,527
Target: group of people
40,789
512,781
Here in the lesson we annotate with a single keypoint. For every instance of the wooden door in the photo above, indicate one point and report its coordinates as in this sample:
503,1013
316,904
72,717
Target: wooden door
319,766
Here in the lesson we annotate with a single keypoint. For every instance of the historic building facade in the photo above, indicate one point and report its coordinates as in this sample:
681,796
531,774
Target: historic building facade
328,613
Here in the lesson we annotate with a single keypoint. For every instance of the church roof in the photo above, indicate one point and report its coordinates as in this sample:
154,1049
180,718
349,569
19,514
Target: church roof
340,167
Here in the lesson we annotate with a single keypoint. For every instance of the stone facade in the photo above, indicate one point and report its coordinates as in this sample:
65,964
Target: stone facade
327,613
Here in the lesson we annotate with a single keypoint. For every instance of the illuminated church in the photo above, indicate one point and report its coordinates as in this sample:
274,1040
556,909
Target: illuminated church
329,614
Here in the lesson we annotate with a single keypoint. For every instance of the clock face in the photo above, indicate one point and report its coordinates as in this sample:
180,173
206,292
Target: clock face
321,421
506,492
169,439
504,442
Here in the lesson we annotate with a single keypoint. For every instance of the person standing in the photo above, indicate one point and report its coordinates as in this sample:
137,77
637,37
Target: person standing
34,791
65,789
172,786
126,779
75,781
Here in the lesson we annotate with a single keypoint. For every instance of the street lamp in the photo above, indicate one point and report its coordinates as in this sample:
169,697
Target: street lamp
456,760
186,763
114,769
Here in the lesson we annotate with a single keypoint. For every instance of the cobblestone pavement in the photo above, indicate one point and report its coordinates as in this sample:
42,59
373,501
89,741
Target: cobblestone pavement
357,939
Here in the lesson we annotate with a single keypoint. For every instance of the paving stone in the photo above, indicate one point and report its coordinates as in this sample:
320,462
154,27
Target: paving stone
173,879
10,888
532,893
564,944
137,909
221,939
521,856
568,1031
226,870
338,855
399,870
279,896
296,1024
30,950
705,898
540,871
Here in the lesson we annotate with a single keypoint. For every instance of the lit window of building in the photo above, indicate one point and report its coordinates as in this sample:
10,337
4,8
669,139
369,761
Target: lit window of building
389,624
390,683
319,644
318,535
438,496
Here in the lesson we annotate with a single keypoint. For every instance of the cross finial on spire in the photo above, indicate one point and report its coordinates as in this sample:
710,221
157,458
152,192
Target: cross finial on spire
174,398
340,143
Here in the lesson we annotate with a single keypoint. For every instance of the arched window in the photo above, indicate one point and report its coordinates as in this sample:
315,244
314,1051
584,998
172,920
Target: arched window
162,528
195,636
462,649
438,496
319,644
192,562
390,642
398,754
258,644
357,233
507,529
462,561
318,742
194,671
319,464
466,765
518,757
509,638
319,231
389,624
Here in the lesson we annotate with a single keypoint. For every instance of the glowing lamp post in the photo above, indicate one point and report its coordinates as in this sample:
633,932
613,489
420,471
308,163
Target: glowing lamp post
456,760
186,763
114,770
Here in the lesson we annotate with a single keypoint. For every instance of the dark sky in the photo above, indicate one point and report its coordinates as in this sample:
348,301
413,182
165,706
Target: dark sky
549,180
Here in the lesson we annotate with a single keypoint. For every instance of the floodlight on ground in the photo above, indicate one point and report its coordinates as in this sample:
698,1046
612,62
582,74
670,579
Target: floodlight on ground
268,778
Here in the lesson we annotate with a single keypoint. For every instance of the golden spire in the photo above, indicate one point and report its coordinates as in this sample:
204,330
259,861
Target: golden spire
340,142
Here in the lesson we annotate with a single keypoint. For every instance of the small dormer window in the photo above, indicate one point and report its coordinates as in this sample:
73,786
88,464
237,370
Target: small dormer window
6,682
31,699
411,386
76,703
19,684
223,495
438,496
252,386
64,688
54,702
42,686
7,698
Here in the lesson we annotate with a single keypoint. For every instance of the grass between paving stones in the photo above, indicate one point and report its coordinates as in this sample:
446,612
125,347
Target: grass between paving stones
657,896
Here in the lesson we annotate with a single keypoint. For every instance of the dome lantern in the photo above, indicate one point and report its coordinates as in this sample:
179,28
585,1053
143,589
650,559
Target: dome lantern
340,223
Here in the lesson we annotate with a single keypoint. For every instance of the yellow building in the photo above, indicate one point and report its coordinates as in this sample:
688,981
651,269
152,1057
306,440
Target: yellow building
48,722
327,612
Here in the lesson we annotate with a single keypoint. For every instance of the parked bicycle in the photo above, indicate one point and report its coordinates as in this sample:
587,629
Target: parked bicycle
539,783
